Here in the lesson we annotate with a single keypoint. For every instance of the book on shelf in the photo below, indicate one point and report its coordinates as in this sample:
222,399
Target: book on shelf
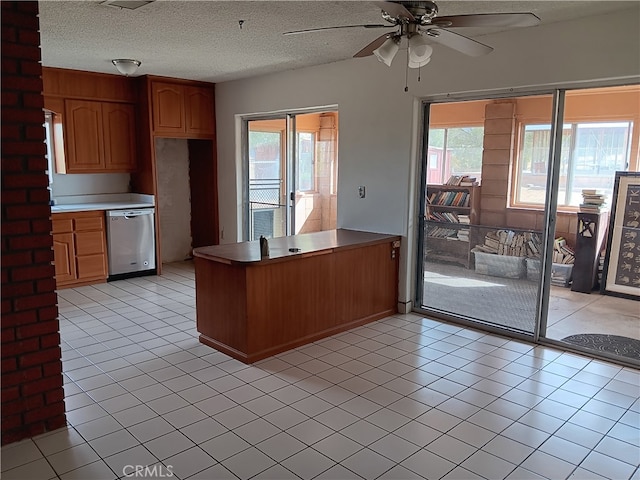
463,235
449,198
441,232
445,217
462,181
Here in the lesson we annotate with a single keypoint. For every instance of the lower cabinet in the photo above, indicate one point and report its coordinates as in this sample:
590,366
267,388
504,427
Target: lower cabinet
80,248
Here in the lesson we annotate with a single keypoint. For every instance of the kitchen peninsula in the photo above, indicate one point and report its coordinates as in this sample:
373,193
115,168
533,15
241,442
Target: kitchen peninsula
311,286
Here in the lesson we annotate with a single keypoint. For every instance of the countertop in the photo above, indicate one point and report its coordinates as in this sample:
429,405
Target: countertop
84,203
307,243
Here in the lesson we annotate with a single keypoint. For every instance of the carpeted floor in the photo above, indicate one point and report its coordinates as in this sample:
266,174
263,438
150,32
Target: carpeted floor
623,346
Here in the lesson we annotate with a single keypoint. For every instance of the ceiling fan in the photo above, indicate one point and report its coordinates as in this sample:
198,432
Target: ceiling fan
419,22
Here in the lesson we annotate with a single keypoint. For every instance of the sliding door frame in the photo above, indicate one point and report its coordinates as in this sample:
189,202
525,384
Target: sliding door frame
289,167
550,211
544,285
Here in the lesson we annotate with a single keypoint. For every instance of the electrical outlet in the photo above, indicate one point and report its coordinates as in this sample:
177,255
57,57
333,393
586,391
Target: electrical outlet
362,191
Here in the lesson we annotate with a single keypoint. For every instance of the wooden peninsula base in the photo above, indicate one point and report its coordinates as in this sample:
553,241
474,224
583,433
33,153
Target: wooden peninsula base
251,308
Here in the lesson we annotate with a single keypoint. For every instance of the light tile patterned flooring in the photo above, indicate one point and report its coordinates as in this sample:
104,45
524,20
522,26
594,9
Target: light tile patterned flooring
403,398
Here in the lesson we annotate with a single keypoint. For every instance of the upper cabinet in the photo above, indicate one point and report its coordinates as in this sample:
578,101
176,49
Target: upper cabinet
99,136
94,119
182,110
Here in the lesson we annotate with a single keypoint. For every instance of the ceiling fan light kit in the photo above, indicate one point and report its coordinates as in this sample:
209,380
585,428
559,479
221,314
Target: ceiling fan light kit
387,51
419,51
416,20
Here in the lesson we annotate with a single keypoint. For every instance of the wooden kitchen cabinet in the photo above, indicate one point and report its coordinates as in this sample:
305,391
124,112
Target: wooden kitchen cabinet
65,265
182,110
119,127
199,111
80,248
99,136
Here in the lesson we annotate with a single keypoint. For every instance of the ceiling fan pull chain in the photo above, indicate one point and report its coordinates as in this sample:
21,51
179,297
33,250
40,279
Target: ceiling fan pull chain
406,73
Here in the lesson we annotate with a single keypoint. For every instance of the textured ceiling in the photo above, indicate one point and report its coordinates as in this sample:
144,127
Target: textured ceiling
202,40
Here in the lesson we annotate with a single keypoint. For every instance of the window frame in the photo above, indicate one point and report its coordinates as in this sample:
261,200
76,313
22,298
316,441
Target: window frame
572,125
314,186
447,128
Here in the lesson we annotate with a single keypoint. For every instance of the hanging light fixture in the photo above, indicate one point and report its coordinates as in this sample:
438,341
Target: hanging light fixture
419,51
388,50
126,66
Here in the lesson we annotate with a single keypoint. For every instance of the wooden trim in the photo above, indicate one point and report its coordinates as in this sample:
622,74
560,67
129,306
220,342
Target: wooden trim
181,81
60,82
83,283
269,352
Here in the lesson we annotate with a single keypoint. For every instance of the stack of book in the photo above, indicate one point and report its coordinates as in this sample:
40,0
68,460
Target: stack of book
448,233
462,181
442,232
508,242
592,201
463,235
562,253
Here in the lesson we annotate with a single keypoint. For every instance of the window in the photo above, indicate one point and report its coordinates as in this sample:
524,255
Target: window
305,172
48,135
454,151
591,153
265,149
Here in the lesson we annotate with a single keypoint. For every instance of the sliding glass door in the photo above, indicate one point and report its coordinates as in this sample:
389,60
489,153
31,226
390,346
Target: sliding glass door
481,258
291,174
267,202
507,241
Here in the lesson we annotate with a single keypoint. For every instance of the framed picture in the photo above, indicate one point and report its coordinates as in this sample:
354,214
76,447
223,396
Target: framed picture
621,273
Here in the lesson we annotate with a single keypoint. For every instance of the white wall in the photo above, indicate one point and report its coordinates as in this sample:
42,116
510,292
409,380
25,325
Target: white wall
379,122
89,184
173,198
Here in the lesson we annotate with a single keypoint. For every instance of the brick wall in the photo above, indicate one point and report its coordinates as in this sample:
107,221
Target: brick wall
32,394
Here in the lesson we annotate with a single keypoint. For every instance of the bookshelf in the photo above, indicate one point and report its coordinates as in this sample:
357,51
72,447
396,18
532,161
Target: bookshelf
450,213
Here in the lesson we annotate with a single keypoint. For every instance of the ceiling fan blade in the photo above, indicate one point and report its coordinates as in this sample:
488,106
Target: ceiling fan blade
458,42
395,10
310,30
488,20
368,50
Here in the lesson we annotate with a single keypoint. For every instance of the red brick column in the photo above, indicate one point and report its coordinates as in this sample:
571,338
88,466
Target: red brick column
32,394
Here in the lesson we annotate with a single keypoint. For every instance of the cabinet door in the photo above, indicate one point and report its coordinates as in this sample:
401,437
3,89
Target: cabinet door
91,248
64,258
168,108
119,137
84,136
90,243
200,112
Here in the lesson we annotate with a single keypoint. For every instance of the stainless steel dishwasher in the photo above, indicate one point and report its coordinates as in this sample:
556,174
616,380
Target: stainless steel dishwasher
131,242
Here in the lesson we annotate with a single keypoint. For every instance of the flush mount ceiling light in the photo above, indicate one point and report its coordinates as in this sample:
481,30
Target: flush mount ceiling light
126,66
126,4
